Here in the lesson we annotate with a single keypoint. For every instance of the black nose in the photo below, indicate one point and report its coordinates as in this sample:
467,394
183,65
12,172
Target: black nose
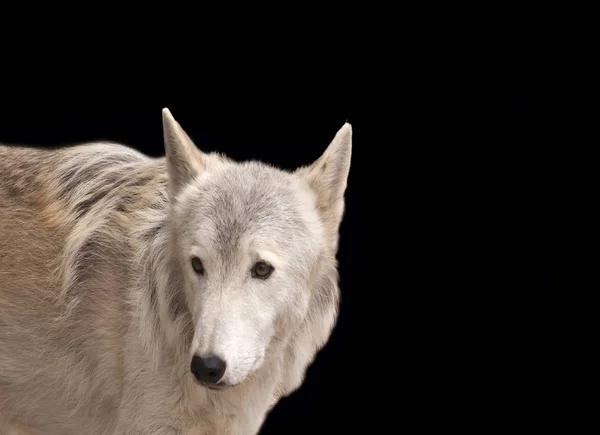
208,370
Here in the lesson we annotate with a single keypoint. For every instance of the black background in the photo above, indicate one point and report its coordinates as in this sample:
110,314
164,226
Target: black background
451,177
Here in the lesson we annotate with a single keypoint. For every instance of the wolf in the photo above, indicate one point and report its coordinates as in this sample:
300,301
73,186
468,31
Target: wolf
184,294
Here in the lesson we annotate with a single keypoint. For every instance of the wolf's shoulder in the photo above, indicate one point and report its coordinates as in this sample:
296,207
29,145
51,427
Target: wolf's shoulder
21,156
74,172
100,151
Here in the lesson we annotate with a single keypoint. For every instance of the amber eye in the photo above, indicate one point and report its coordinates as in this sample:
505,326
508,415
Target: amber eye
262,270
197,265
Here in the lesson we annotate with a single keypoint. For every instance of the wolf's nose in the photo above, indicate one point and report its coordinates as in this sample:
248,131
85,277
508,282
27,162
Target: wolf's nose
208,370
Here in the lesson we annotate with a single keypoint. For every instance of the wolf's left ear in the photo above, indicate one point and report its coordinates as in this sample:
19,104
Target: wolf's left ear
328,177
184,160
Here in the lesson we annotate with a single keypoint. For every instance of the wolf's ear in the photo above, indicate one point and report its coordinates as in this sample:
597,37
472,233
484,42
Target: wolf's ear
184,159
328,177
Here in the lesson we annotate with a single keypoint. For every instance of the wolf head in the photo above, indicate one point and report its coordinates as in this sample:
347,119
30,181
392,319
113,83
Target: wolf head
255,247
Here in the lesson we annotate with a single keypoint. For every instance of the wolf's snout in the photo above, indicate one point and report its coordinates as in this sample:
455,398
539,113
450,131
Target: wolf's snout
209,370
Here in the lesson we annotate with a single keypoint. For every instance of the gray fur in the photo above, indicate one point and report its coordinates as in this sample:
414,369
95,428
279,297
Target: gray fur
101,312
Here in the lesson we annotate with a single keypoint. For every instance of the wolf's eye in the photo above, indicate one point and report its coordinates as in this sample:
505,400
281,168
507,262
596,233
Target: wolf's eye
197,265
262,270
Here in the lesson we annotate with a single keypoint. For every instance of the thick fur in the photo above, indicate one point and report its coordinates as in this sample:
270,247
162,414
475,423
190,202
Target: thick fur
101,312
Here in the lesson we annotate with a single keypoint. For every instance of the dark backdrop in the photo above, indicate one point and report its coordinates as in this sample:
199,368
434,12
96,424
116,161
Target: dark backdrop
449,181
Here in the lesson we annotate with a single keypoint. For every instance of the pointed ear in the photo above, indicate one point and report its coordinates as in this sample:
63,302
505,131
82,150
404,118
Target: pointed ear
184,160
328,177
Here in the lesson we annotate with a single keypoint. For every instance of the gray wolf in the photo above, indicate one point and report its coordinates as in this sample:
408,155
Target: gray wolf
178,295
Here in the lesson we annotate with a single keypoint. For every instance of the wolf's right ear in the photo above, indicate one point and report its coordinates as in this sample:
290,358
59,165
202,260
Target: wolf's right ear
184,160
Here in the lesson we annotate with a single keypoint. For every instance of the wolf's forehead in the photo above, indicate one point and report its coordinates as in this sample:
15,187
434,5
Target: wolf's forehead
254,202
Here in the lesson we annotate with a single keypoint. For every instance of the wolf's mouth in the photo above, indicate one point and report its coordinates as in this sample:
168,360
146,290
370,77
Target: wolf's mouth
216,387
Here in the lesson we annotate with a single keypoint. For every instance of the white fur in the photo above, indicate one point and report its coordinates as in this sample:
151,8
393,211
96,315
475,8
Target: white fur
101,311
